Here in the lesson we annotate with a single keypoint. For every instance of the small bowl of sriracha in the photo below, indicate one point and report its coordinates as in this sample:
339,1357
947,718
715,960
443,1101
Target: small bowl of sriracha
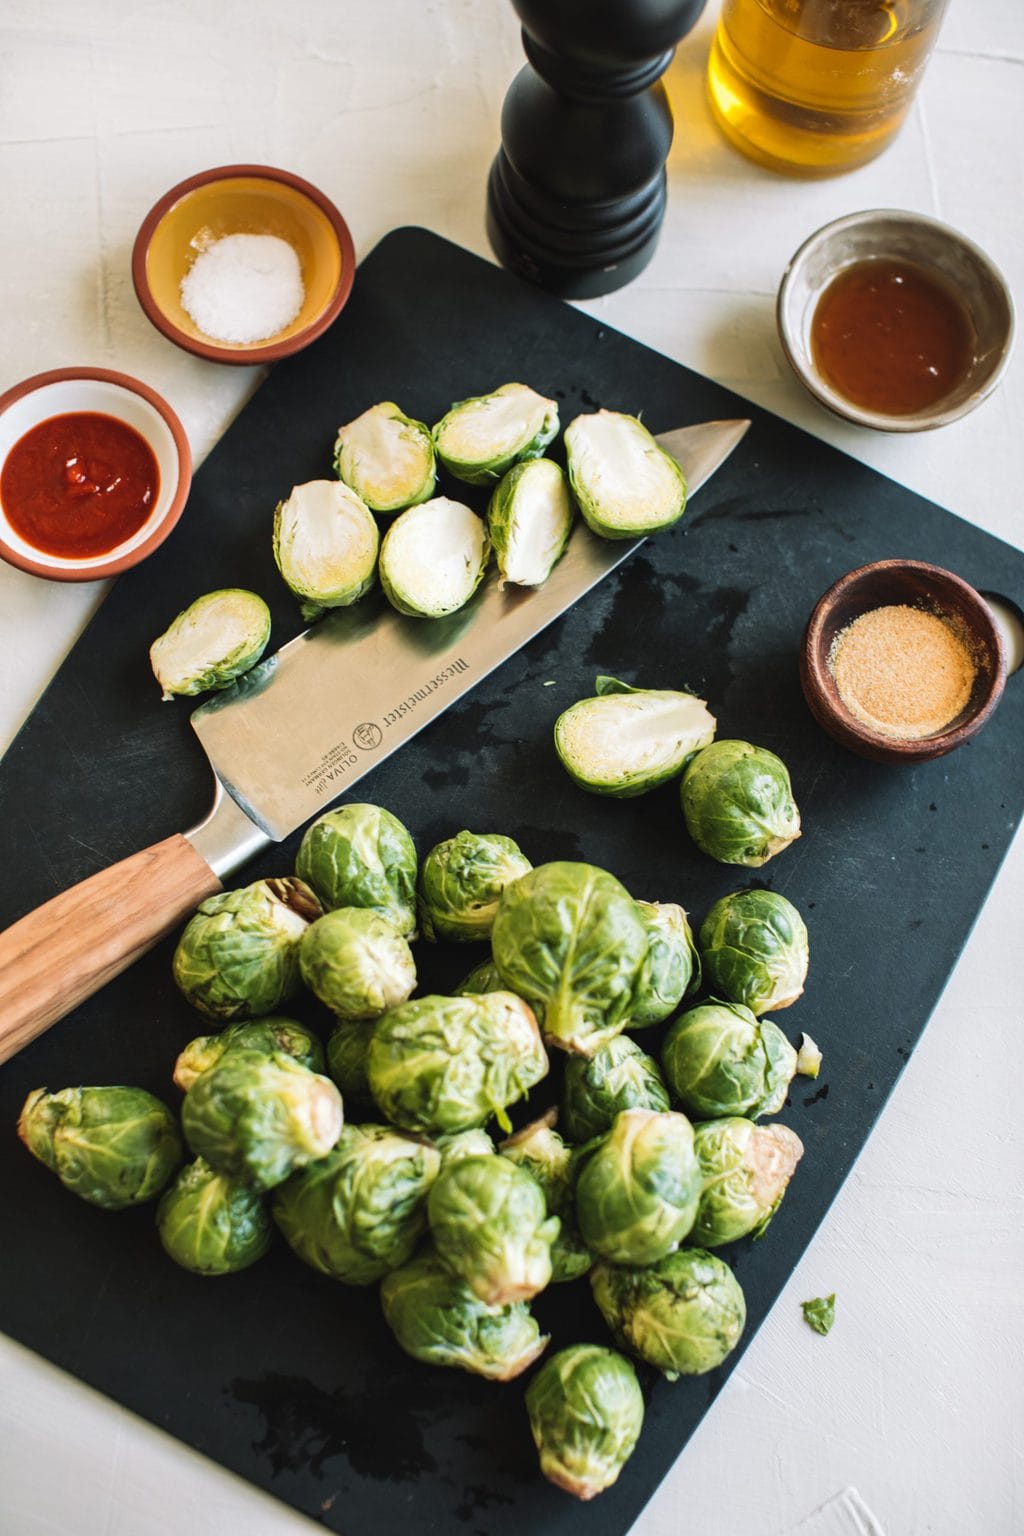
95,470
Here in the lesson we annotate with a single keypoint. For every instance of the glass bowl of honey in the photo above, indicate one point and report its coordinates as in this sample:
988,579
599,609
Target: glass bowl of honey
895,321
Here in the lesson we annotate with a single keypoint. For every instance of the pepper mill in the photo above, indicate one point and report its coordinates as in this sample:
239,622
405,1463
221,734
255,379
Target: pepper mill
577,191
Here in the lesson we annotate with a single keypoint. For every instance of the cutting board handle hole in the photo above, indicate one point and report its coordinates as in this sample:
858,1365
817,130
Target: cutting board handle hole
1010,619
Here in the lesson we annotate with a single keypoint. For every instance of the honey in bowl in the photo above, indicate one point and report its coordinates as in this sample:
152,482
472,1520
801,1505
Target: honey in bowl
890,338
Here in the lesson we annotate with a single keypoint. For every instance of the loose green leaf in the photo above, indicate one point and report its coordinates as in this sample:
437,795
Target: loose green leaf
820,1312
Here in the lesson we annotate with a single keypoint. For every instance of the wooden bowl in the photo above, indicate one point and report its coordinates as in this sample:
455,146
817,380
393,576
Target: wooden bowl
243,200
917,585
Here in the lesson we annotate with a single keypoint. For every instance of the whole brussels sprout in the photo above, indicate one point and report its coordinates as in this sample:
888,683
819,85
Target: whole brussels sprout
586,1411
738,803
325,545
348,1046
541,1151
672,967
529,518
637,1188
356,963
461,881
745,1170
474,1143
387,458
359,1211
258,1116
438,1320
440,1064
618,1076
490,1226
569,939
272,1033
755,949
212,1225
682,1315
719,1060
433,558
625,483
362,856
216,639
482,978
477,440
627,741
114,1147
239,956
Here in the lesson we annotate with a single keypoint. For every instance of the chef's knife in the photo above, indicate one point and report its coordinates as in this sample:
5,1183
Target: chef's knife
297,731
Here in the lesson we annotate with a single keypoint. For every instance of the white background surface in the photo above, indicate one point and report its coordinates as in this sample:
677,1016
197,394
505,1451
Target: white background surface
392,108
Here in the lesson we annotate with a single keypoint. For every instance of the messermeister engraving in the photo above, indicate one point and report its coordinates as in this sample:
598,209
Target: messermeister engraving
453,669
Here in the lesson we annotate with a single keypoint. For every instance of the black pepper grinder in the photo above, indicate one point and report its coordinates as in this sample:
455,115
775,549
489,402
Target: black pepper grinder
577,191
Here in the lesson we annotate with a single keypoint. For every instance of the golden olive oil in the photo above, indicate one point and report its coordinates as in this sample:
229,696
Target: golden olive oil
813,87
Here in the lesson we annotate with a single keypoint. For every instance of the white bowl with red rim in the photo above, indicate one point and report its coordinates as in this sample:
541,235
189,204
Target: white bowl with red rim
99,391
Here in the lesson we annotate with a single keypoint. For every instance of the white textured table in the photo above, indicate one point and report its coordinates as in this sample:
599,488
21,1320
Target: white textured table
915,1399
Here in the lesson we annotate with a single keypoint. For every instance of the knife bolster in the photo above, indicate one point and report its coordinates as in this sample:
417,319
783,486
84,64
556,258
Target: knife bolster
227,838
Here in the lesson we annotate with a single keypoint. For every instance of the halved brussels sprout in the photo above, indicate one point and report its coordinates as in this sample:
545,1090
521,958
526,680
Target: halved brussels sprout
348,1046
438,1320
541,1151
586,1411
356,963
461,881
358,1212
490,1226
216,639
212,1225
456,1144
387,458
637,1188
529,518
239,956
672,967
273,1033
258,1117
479,439
618,1076
114,1147
433,558
738,803
626,740
682,1315
625,484
755,949
569,939
440,1064
721,1060
745,1169
362,856
325,545
482,978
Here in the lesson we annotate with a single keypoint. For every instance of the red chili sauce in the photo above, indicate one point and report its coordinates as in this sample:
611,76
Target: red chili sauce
79,485
890,338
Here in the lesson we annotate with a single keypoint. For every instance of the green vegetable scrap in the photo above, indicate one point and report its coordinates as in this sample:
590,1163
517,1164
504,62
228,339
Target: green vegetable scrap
820,1312
212,1225
238,957
113,1147
272,1033
325,545
626,485
719,1059
489,1223
362,856
754,946
461,881
387,458
586,1411
683,1315
626,741
356,963
529,519
618,1076
738,803
216,639
480,438
638,1187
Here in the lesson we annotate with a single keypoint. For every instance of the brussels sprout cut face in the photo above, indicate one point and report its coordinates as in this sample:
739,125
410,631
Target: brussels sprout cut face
541,1151
720,1060
490,1226
114,1147
738,803
433,558
745,1169
479,439
212,1225
568,938
362,856
625,484
672,967
618,1076
682,1315
755,949
239,956
637,1189
629,740
461,882
586,1411
325,545
356,963
386,458
215,640
529,518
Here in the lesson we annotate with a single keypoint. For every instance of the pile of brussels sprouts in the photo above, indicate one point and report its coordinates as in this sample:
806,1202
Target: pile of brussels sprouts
330,548
656,1165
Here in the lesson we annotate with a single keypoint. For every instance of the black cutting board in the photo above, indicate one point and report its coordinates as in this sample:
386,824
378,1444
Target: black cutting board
286,1378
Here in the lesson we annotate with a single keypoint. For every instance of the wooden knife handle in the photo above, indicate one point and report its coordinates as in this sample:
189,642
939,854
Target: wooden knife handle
55,957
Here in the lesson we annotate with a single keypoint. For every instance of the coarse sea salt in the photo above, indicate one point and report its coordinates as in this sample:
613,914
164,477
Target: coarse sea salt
243,288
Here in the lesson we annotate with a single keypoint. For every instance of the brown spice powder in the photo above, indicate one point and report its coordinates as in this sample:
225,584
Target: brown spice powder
902,671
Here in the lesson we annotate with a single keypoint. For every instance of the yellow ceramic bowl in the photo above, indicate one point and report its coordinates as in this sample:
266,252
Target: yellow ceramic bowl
250,200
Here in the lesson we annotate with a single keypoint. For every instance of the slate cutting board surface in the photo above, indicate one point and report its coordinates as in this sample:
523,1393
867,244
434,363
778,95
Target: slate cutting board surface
288,1379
